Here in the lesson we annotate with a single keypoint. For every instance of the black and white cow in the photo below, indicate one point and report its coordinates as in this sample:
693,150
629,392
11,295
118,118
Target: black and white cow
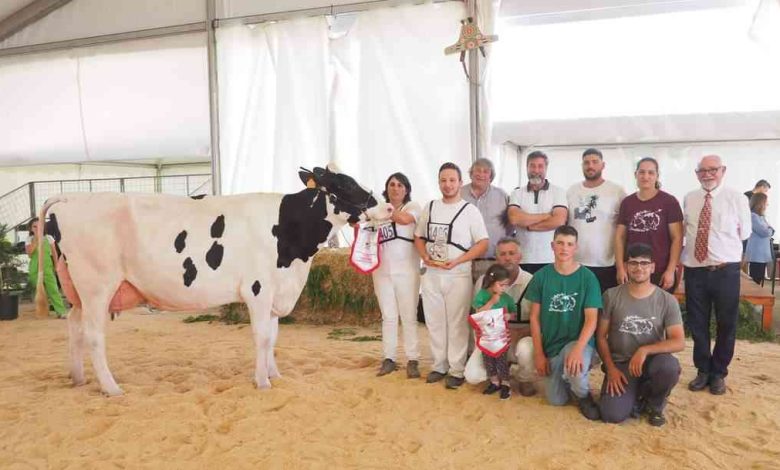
177,253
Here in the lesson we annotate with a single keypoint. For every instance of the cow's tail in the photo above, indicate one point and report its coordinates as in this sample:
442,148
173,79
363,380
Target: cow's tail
41,302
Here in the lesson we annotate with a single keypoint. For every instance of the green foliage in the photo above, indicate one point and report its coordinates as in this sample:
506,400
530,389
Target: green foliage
326,292
234,314
10,276
349,334
205,317
748,327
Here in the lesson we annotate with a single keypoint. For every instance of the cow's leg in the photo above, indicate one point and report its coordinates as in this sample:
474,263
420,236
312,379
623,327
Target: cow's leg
76,346
273,371
95,313
260,315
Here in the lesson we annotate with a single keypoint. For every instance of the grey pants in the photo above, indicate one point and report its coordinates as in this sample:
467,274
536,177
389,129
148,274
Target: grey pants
660,374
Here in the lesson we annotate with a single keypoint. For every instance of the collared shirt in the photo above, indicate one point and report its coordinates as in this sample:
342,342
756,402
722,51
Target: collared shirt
491,204
535,246
729,225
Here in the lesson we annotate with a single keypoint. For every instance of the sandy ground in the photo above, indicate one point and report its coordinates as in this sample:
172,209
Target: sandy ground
190,403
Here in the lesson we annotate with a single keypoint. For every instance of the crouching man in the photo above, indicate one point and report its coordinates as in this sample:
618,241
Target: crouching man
638,330
565,297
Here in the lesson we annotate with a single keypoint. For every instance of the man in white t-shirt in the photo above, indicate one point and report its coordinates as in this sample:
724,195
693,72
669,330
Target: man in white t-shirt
537,210
594,204
449,235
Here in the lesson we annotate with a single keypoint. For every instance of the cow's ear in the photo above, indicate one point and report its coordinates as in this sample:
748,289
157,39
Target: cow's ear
306,176
331,167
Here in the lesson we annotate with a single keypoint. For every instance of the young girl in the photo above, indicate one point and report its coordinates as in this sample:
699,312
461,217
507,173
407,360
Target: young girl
492,296
49,262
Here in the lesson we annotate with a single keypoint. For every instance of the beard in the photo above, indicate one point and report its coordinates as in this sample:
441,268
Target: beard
535,180
709,185
594,177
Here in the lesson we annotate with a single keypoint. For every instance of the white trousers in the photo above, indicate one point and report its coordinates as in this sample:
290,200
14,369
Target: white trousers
398,295
446,301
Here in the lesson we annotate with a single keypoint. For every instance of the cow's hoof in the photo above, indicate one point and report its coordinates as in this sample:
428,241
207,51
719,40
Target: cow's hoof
263,384
274,374
79,382
114,392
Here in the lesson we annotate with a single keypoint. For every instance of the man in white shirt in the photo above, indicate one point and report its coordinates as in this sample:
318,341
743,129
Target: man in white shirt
537,210
593,209
491,202
717,219
450,234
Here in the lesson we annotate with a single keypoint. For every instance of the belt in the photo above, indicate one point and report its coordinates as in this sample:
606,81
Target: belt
716,267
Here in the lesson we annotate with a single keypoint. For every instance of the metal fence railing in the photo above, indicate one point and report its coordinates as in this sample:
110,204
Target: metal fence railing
23,203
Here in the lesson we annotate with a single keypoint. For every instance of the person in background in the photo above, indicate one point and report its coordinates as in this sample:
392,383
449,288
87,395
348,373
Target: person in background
491,202
537,210
759,247
50,256
594,204
397,279
762,186
653,217
717,219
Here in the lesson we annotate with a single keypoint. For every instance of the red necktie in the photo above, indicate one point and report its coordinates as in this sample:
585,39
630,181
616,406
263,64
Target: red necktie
703,231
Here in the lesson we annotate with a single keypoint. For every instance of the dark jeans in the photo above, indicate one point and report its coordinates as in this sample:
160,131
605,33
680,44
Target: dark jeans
531,268
757,272
705,289
660,374
607,276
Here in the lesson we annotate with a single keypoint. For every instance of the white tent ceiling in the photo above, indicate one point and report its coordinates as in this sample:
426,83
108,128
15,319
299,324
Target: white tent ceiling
148,99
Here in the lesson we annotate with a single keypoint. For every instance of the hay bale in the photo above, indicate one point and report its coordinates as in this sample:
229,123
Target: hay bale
334,294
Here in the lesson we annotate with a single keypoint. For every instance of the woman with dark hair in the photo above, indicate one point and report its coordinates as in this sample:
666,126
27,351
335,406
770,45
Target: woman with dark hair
653,217
759,249
397,280
49,262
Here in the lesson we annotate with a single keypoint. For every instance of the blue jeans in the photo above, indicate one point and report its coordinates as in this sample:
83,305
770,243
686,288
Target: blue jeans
559,383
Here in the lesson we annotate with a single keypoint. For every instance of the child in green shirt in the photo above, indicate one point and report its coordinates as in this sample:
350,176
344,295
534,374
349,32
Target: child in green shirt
493,296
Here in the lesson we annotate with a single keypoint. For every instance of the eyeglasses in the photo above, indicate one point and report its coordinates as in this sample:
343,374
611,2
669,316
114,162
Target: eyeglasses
707,171
636,264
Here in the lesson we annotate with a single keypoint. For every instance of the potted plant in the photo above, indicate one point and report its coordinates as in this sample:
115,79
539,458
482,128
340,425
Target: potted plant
11,278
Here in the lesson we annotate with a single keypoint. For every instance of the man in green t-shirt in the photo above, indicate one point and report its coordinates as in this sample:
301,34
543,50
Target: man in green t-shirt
565,297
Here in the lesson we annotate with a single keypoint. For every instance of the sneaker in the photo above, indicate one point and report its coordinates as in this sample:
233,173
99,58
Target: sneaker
527,389
434,377
505,392
491,389
717,386
412,370
656,418
589,408
388,365
454,382
701,382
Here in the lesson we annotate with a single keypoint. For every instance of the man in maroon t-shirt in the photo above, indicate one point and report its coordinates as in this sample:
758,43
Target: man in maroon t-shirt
653,217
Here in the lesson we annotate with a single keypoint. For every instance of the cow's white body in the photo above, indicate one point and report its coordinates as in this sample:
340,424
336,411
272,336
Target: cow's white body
110,238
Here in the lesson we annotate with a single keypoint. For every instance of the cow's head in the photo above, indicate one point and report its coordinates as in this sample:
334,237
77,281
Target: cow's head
346,195
308,218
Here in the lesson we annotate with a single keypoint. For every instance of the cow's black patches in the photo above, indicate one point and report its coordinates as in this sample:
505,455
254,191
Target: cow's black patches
256,288
198,197
302,226
190,272
179,243
214,255
218,227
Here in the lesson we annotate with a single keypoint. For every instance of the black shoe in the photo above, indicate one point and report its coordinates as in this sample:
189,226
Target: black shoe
717,386
505,392
388,365
701,382
454,382
656,418
589,408
412,370
434,377
491,389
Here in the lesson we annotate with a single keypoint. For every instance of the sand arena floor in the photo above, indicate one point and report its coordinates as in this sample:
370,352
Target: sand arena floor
190,403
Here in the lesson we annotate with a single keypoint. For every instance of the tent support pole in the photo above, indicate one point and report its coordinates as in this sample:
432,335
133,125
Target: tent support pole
473,66
211,14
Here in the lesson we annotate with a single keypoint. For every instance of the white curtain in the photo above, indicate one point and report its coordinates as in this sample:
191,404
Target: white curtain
377,95
274,103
